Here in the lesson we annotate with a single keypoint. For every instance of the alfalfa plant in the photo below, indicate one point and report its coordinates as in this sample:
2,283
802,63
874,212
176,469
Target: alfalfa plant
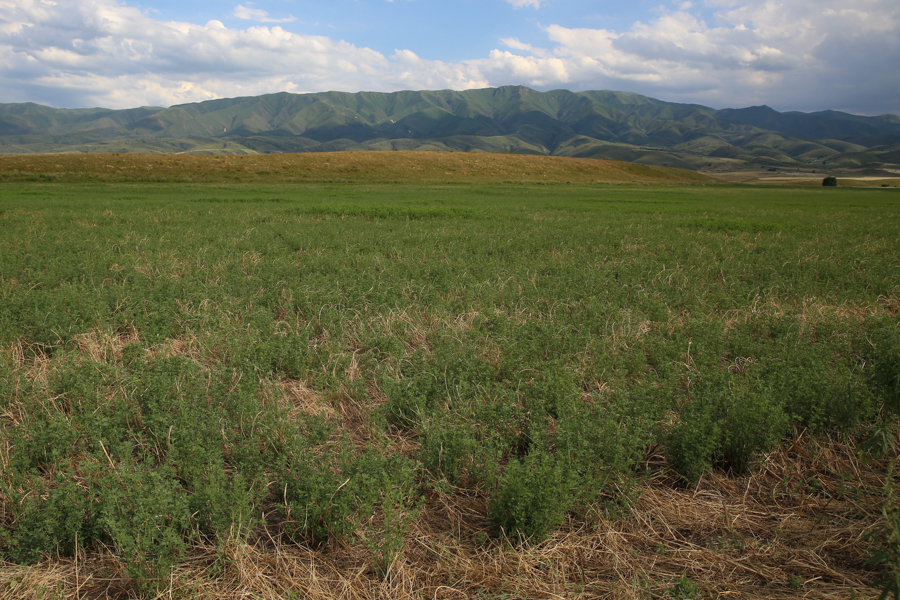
887,367
531,498
398,511
726,422
694,440
328,495
602,443
888,554
319,497
227,504
49,517
820,390
684,589
146,515
454,449
410,399
880,437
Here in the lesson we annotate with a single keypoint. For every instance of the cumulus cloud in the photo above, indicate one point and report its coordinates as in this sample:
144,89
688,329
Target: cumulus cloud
794,54
415,73
98,52
790,54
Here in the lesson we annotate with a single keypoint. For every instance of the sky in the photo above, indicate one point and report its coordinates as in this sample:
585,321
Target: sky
802,55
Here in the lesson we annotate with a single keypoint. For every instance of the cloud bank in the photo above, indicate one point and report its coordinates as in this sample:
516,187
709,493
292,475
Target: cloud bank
790,54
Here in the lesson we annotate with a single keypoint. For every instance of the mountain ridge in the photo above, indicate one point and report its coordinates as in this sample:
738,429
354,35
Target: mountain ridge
588,124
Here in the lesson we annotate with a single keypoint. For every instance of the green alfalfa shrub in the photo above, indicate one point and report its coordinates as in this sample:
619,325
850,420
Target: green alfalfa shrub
457,449
9,380
695,438
44,441
531,498
77,385
226,504
821,389
501,417
411,399
269,350
53,515
885,354
754,422
145,512
881,436
602,441
550,390
317,502
62,418
395,507
220,432
887,553
449,447
327,493
727,420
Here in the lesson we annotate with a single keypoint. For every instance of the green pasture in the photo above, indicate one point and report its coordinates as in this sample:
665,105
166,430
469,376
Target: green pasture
524,344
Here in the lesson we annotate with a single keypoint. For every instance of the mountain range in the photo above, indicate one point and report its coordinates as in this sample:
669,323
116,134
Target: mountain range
512,119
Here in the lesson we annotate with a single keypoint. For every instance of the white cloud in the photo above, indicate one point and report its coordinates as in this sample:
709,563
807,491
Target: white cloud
795,54
254,14
790,54
523,3
415,73
97,52
515,44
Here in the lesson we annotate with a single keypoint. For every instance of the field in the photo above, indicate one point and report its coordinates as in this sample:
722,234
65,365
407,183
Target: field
271,389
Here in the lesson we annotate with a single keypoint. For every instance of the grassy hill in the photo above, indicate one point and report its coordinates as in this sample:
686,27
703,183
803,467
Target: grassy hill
371,167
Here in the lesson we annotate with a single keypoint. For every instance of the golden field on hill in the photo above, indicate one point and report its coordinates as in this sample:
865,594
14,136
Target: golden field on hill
369,167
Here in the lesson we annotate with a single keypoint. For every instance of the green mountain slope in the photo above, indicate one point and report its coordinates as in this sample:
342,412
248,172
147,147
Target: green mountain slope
602,124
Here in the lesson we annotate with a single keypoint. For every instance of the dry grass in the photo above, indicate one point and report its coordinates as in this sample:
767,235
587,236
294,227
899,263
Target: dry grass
362,167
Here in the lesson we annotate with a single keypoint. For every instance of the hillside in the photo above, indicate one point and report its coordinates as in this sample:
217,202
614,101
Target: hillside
512,119
370,167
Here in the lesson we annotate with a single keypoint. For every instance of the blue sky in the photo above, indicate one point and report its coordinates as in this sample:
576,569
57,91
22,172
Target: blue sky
448,31
789,54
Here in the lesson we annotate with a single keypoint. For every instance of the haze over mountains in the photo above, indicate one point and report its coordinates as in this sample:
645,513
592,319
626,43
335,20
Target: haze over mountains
592,124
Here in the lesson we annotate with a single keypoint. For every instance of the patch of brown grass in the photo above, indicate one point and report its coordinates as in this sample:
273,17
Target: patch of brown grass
104,347
813,310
